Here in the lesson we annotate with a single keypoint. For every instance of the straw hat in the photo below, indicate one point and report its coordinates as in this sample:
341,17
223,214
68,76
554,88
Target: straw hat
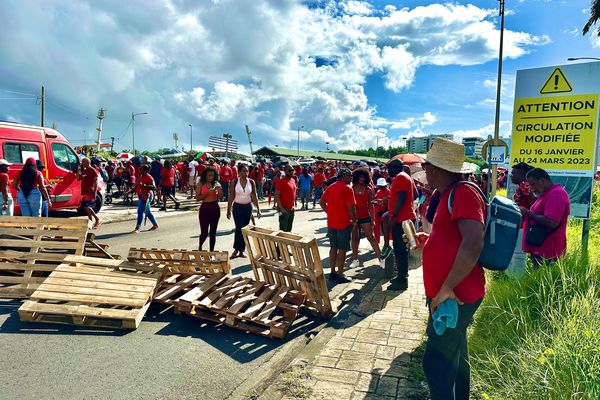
449,156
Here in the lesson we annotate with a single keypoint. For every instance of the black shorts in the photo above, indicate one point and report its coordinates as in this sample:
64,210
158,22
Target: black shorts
361,221
339,238
168,190
89,203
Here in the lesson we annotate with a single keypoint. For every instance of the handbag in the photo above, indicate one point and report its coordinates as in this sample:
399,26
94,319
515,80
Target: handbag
537,234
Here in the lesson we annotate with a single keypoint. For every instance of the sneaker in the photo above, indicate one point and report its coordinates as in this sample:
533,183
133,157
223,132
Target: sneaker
386,251
354,264
382,263
398,284
162,209
344,279
177,204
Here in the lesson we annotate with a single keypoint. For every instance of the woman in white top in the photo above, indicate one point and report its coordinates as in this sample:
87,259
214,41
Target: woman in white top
242,193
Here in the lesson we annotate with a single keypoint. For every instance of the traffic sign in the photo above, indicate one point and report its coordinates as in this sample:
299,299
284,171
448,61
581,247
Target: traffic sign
556,83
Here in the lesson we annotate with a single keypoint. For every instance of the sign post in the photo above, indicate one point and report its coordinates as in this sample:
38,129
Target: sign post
555,127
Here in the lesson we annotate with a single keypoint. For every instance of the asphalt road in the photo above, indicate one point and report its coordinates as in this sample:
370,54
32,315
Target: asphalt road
168,356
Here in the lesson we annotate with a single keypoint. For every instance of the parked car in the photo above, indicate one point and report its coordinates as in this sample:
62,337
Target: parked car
19,142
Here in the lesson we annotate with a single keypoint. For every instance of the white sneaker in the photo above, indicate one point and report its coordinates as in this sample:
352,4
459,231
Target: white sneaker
354,264
382,263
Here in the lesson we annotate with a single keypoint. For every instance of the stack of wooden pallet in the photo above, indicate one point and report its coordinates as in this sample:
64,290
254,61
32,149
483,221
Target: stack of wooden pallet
30,248
184,262
95,292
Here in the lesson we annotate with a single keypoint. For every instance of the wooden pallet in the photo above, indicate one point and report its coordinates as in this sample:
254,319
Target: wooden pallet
241,303
30,248
183,261
289,260
98,250
90,296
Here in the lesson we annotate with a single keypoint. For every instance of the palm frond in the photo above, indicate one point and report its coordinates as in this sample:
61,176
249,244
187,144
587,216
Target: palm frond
594,17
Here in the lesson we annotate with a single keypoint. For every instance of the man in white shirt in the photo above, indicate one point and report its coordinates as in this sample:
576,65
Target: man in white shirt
192,182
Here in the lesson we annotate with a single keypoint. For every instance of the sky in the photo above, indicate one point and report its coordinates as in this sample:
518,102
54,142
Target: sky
348,73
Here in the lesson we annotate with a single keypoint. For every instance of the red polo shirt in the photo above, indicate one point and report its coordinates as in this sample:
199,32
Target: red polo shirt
287,192
167,177
225,175
144,180
338,197
441,249
402,182
319,179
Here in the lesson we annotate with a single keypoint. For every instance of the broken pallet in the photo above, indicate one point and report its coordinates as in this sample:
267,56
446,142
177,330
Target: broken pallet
90,296
241,303
183,261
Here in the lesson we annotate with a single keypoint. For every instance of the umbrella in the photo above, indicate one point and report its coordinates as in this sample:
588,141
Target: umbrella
408,159
282,161
360,164
125,156
141,160
371,162
420,176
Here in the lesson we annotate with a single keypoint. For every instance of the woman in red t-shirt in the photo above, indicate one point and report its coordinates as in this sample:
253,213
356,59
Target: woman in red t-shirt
381,201
209,191
145,188
31,190
363,193
167,183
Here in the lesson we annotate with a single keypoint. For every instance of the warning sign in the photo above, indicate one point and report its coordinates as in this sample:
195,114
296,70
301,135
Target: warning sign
556,83
555,127
556,133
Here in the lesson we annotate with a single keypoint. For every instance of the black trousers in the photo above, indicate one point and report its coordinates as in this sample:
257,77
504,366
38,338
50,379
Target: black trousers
400,251
241,217
446,358
209,215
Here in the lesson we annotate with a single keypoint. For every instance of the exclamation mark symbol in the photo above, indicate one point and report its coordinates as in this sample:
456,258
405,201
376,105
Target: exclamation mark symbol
556,82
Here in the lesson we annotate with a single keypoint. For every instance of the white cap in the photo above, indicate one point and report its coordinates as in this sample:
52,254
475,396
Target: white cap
4,162
381,182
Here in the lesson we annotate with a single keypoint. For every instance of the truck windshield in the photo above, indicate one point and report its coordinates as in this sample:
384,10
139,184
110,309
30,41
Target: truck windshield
64,157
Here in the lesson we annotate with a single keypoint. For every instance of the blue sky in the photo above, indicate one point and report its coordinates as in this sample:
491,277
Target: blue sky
349,72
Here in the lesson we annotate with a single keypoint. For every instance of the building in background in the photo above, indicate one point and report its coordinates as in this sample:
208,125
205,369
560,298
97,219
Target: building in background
473,146
423,144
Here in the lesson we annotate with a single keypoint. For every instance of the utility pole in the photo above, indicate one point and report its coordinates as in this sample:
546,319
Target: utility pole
176,139
227,136
133,129
377,148
43,104
101,115
250,142
112,145
191,138
299,140
498,91
84,138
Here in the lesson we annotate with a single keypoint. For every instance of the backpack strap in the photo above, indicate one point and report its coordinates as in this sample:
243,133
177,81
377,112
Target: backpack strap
473,185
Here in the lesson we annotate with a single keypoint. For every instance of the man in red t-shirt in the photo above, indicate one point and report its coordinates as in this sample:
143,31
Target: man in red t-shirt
451,269
285,197
319,184
400,208
260,177
89,185
339,204
225,177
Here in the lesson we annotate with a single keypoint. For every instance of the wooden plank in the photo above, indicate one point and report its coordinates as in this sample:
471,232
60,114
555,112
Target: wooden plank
170,291
202,290
271,305
94,284
219,291
259,302
33,306
11,266
248,296
20,279
108,293
231,294
40,244
116,301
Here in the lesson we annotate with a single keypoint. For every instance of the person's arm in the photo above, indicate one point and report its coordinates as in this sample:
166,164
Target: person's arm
540,219
371,205
400,199
199,195
255,198
281,208
43,190
16,182
219,190
469,251
4,190
323,205
231,197
352,211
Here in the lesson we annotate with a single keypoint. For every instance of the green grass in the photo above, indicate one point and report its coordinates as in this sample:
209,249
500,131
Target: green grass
539,337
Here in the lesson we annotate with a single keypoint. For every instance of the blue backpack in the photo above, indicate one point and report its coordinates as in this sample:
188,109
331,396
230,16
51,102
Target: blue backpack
502,225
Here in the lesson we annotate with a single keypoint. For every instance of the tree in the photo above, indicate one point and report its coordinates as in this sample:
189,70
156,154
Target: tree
594,17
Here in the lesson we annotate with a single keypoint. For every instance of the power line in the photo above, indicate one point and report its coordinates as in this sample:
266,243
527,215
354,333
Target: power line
17,98
14,92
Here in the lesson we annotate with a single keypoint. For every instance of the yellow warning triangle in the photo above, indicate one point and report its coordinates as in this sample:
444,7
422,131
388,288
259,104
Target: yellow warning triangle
557,83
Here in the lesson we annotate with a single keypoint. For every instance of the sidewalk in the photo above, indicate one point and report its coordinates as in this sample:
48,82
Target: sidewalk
366,354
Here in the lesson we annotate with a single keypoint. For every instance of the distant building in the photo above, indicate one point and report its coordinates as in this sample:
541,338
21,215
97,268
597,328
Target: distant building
423,144
473,146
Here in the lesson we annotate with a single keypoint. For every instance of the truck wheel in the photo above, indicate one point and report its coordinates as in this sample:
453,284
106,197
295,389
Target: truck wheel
99,202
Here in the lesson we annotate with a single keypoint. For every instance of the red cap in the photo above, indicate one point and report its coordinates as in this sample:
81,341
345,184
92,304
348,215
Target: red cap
30,160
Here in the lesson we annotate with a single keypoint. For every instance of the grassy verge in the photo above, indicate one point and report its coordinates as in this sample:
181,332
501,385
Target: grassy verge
539,337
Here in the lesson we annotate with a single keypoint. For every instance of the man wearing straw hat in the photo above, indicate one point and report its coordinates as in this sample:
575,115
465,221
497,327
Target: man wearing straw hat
450,269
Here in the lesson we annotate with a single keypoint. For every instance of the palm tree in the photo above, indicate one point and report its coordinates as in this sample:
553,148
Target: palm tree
594,17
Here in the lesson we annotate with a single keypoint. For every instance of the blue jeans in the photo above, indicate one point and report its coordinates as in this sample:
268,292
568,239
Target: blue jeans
31,206
44,208
142,210
318,194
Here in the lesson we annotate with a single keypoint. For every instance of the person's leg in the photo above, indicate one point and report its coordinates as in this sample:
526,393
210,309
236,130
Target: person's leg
92,216
368,231
141,211
341,259
164,200
401,255
23,204
238,240
386,227
355,241
204,218
214,223
333,259
151,217
291,220
462,384
377,229
246,217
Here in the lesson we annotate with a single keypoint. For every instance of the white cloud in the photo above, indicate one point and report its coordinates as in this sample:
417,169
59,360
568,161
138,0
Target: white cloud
223,64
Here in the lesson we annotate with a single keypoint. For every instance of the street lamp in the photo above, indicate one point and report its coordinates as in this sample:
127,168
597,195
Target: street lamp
327,144
498,91
227,137
191,138
583,58
299,140
133,128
